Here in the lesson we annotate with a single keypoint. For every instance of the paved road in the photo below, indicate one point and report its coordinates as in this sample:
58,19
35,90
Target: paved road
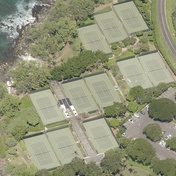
134,130
164,25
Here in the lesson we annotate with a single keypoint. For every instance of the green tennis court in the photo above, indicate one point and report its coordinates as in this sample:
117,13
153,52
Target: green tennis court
46,106
93,39
130,67
102,90
139,80
130,17
41,152
160,76
100,135
151,62
111,27
147,70
80,96
64,145
133,73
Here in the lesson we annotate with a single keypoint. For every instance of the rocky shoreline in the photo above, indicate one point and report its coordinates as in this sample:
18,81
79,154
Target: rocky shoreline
40,12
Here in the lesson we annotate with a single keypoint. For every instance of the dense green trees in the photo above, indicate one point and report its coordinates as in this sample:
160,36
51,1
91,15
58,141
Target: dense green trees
165,167
86,60
153,132
113,162
171,143
78,167
129,41
49,38
29,76
9,105
141,150
3,90
80,10
162,109
116,110
142,96
132,106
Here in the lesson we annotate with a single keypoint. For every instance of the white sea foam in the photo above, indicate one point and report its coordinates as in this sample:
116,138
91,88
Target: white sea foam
22,17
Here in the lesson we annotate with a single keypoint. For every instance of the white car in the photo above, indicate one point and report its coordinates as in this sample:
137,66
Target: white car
123,134
136,115
168,136
130,120
162,143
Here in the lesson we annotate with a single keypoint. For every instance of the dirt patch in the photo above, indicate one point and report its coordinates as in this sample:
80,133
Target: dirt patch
101,7
65,51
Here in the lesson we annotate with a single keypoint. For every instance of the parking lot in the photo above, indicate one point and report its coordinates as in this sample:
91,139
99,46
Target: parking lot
136,125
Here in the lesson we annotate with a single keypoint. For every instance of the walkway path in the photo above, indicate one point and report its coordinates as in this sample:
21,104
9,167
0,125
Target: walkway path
115,82
78,128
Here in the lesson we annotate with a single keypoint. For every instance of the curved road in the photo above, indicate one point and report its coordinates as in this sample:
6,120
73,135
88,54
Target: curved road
164,25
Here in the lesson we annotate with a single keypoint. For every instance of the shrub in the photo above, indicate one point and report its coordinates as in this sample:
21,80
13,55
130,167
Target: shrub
139,33
11,142
132,107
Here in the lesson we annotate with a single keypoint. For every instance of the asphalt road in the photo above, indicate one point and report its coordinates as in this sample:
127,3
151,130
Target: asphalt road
164,25
134,130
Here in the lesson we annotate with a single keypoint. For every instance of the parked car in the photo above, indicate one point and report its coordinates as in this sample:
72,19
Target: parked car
130,120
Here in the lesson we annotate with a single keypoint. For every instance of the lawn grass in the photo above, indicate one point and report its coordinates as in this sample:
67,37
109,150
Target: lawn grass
169,11
138,165
126,54
37,128
160,40
113,122
173,5
26,102
58,124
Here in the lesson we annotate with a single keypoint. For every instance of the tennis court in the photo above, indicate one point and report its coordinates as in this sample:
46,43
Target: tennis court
46,106
100,135
111,27
102,90
133,73
130,17
147,70
64,145
93,39
160,76
41,152
151,62
80,96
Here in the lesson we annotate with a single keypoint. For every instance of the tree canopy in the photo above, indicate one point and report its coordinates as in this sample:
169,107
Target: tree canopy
141,150
142,96
162,109
3,90
165,167
171,143
113,161
9,105
77,65
116,110
153,132
29,76
132,106
78,167
80,10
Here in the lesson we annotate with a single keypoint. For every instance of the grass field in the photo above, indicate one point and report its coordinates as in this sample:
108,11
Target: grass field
138,169
170,7
160,40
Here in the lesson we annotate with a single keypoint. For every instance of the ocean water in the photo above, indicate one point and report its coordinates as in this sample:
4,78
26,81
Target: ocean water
13,14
